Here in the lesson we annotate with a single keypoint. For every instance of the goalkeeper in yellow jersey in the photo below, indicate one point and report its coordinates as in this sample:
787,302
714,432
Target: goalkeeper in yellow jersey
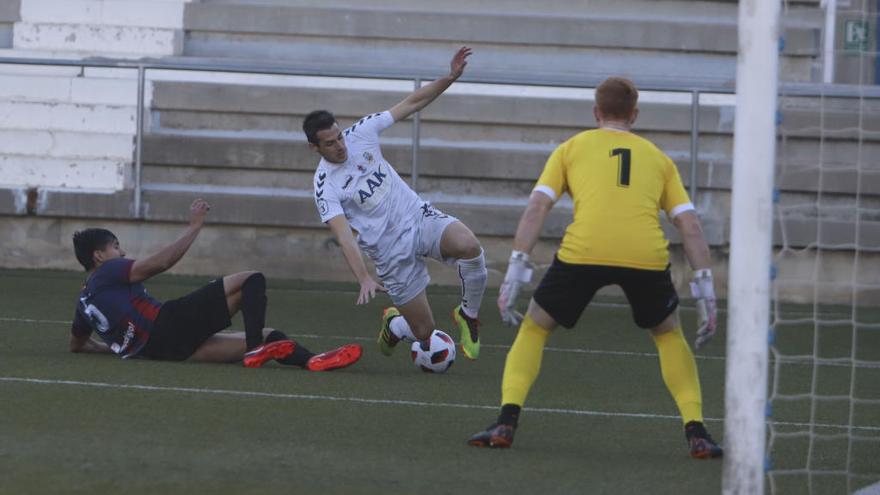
619,182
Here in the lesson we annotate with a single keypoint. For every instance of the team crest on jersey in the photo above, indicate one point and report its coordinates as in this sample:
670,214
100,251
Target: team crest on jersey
368,156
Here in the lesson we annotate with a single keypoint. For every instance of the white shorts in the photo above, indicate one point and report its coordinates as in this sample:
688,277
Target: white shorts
402,266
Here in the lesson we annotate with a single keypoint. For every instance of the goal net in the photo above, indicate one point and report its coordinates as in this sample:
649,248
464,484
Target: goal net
819,351
824,388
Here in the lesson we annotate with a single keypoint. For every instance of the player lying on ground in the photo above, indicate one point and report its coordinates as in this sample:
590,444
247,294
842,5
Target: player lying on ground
114,304
356,188
619,182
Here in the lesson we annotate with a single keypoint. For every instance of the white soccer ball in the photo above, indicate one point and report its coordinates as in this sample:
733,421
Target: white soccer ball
439,357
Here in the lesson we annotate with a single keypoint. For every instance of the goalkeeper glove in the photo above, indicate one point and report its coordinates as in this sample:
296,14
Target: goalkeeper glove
703,289
519,271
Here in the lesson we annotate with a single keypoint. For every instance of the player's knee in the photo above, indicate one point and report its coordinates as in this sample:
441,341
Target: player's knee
471,248
256,282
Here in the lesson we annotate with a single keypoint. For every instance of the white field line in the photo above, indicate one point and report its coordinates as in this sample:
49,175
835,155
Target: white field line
571,350
361,400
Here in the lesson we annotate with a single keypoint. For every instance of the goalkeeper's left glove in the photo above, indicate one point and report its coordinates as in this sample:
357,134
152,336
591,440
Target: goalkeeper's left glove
519,271
703,289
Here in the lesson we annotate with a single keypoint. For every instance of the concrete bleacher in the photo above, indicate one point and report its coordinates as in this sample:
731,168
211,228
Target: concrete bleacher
236,139
563,40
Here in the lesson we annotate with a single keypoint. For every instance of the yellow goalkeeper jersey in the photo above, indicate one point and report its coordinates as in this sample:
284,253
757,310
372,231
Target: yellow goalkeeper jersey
619,182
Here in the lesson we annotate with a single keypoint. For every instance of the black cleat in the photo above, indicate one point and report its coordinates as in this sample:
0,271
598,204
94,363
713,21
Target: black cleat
498,436
701,444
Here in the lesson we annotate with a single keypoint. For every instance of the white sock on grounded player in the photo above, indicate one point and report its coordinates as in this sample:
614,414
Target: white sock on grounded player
473,276
400,328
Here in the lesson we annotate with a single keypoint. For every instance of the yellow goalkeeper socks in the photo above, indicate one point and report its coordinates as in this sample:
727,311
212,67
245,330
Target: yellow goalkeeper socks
680,374
523,362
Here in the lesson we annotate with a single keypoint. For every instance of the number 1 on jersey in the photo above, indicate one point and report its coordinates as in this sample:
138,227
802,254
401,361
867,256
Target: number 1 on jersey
623,164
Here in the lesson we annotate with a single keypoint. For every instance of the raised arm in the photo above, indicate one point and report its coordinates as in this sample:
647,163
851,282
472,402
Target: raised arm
171,254
342,231
421,97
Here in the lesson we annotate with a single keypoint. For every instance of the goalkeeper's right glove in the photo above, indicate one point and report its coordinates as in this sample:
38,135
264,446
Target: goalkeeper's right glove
519,271
703,289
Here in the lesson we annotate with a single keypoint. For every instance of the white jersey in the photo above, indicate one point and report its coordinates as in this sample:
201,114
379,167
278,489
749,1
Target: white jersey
377,203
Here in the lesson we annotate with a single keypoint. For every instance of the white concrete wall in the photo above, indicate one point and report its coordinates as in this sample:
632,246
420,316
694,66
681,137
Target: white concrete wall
71,128
118,28
64,130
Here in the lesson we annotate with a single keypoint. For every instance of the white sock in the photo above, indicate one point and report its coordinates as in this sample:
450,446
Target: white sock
473,276
400,328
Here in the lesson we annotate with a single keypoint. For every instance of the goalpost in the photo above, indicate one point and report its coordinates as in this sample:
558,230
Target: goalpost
754,153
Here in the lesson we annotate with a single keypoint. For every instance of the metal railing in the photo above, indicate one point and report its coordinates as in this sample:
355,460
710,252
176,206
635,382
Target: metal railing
695,91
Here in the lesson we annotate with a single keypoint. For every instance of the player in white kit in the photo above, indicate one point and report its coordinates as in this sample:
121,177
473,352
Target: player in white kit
356,188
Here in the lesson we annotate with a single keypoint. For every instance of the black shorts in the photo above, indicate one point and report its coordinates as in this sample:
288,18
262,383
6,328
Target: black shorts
184,324
566,290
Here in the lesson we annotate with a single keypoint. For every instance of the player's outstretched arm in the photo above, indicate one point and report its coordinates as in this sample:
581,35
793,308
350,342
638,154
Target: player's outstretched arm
519,269
171,254
342,231
702,287
421,97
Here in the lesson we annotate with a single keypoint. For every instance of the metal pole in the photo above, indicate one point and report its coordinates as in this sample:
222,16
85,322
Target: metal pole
417,122
138,167
695,147
828,45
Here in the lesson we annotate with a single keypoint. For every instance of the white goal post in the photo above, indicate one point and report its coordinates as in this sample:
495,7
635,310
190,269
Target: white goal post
754,154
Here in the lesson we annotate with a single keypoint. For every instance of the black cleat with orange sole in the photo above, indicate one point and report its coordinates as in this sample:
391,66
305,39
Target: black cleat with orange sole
499,436
700,442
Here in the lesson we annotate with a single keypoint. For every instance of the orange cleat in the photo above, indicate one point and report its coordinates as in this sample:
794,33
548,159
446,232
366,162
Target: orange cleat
342,357
279,349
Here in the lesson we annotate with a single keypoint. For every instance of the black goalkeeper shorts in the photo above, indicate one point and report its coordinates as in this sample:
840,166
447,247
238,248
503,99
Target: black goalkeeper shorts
567,289
184,324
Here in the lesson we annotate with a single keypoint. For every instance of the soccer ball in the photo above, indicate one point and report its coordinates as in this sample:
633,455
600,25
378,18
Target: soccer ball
439,357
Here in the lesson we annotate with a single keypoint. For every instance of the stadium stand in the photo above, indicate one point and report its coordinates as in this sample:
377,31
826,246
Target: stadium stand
236,138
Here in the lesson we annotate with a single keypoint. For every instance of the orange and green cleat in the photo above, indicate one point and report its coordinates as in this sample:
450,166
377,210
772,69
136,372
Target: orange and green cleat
387,340
499,436
278,349
342,357
470,333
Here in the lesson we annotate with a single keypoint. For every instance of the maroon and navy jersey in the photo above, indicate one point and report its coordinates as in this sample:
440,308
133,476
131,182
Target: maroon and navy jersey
120,312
